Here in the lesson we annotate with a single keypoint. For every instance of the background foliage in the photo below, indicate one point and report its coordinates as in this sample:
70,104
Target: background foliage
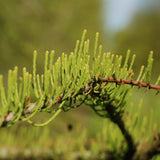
43,25
141,37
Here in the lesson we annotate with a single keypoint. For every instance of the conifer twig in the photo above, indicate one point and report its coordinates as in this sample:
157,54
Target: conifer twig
125,81
83,91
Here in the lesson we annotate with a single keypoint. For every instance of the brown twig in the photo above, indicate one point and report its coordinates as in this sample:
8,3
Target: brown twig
125,81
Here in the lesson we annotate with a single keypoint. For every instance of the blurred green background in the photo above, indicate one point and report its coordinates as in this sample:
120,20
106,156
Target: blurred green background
41,25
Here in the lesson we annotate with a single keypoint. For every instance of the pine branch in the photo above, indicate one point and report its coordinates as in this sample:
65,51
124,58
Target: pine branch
125,81
82,91
102,83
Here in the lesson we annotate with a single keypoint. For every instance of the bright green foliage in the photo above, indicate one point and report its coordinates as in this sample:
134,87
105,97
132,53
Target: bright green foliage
69,82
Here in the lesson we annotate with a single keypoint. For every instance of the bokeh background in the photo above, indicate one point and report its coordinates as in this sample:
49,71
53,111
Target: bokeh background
41,25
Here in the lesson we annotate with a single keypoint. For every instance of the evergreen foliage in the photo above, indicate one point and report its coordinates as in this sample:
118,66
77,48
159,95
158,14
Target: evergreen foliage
102,82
